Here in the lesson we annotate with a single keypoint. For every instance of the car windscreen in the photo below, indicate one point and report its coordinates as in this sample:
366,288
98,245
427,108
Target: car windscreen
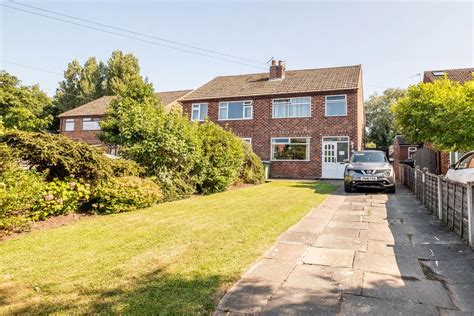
369,156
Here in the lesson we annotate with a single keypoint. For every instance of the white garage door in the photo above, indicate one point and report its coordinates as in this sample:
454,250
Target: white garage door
335,150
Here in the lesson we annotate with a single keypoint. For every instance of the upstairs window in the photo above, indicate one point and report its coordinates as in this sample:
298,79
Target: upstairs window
235,110
69,125
336,105
296,148
247,140
291,107
90,124
199,112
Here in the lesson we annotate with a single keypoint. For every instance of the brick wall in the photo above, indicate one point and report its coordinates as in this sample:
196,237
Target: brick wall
89,137
263,127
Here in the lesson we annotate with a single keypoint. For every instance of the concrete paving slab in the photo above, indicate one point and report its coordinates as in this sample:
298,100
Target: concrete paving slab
325,279
347,218
450,271
387,236
286,252
321,213
344,232
270,270
442,239
247,296
397,266
463,296
361,305
420,291
390,249
288,301
329,257
340,242
310,225
351,225
298,237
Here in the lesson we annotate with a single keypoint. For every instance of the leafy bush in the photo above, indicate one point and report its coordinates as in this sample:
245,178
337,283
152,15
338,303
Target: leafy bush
222,158
165,144
125,194
59,156
60,197
19,192
252,170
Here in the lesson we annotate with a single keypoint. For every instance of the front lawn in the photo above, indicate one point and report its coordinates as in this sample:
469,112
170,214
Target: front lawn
173,258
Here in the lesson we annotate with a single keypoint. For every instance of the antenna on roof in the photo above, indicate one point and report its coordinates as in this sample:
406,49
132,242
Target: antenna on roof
415,75
269,60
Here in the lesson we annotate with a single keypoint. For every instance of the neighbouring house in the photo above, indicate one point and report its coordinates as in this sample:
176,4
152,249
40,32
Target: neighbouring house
445,159
403,151
82,123
306,122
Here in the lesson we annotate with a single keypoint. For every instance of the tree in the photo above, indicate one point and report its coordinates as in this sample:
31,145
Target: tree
379,119
95,79
166,145
21,107
441,113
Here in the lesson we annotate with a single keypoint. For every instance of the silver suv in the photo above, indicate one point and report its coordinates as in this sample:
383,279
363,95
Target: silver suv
369,169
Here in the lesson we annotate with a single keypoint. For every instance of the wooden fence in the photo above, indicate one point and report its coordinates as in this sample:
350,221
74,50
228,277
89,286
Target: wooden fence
451,201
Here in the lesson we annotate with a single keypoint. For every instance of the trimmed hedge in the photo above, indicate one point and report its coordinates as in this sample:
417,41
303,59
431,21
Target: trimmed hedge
252,170
125,194
222,158
59,157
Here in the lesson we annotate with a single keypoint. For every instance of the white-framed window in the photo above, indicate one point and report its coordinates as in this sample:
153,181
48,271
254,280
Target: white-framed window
290,148
411,152
69,125
90,124
235,110
291,107
336,105
199,112
247,140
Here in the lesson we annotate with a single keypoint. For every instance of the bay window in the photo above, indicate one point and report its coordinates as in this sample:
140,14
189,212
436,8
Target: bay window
294,148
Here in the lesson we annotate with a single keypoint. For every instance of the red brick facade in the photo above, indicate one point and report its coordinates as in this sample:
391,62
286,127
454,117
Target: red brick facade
262,127
89,137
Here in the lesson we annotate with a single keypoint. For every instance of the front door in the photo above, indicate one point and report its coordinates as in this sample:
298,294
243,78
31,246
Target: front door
335,150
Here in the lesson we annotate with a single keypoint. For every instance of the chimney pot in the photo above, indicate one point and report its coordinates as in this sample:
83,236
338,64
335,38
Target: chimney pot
277,69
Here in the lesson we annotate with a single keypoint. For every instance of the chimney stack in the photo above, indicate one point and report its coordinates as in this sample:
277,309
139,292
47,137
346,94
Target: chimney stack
277,69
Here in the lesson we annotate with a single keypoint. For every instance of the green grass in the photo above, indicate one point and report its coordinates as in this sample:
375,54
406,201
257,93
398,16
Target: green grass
172,258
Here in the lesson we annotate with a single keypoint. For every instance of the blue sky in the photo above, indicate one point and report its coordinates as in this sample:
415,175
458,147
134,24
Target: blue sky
393,41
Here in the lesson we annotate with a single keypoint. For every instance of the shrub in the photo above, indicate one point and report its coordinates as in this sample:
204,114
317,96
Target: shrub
222,158
252,170
125,194
59,156
60,197
19,192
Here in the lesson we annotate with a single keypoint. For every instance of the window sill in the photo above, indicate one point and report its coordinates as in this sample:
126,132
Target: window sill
237,119
291,117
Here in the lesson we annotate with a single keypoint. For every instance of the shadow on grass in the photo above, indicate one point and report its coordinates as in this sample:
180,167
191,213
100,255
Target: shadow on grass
156,293
318,186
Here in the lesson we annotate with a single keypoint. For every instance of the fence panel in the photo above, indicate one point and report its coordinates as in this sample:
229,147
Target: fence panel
454,198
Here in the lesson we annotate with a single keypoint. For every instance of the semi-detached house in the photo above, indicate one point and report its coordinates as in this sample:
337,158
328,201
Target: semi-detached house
306,122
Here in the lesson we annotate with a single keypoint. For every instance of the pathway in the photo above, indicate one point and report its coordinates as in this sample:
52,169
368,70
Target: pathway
360,254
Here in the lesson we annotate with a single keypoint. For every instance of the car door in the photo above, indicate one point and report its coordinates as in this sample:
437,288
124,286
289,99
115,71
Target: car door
464,170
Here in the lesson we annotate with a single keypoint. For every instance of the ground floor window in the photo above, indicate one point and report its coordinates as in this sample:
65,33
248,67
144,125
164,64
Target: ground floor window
247,140
294,148
69,125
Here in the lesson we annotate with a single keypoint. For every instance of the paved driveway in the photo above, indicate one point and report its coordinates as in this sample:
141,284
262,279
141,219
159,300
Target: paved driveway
360,254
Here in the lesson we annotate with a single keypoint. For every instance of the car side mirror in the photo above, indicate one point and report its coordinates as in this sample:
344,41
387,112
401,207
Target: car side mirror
345,161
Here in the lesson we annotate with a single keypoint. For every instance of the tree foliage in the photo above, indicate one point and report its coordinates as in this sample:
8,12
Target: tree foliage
82,84
21,107
379,119
441,113
166,145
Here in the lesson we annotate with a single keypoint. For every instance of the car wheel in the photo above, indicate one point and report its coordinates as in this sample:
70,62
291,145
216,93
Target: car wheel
391,189
348,189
